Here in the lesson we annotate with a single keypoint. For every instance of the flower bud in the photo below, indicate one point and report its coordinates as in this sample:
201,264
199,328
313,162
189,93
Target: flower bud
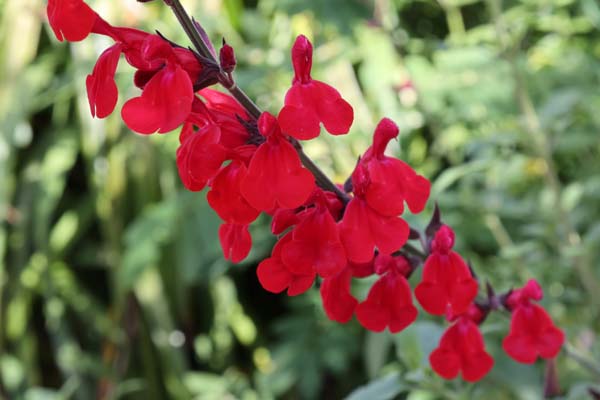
227,58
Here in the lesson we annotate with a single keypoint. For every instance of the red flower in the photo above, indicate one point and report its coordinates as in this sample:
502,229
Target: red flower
225,111
532,332
148,53
275,176
225,197
389,302
462,349
315,244
392,182
101,87
164,104
70,19
165,73
447,281
166,99
199,155
363,228
381,185
338,302
275,276
133,41
310,102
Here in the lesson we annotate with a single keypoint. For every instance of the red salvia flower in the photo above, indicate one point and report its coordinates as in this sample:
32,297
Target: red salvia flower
165,73
166,99
199,155
532,332
462,349
309,102
100,84
381,185
363,228
311,247
275,176
70,19
148,53
392,181
164,104
225,198
133,41
389,302
275,277
315,244
284,218
447,281
338,302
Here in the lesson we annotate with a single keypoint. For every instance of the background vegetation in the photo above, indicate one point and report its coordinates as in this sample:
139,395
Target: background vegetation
112,283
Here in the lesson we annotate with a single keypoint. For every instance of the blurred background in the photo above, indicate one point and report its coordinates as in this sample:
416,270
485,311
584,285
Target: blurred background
112,282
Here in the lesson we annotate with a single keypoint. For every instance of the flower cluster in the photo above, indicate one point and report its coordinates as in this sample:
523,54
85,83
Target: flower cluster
252,162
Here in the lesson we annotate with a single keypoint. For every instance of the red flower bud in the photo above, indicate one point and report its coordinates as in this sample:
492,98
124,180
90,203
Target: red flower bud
227,58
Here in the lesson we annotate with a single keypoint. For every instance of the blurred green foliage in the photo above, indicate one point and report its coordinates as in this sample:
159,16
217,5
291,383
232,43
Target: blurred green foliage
112,284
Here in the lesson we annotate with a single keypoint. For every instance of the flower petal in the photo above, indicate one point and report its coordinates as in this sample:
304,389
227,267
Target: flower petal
164,104
70,19
101,87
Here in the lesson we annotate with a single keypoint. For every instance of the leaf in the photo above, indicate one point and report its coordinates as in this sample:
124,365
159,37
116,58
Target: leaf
201,383
416,342
235,9
381,389
39,393
144,238
453,174
376,351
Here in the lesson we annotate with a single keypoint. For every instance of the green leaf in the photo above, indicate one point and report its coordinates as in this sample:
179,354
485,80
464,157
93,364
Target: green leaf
381,389
415,343
376,351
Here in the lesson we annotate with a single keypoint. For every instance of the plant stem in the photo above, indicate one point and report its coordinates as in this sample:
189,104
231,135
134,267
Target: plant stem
322,179
585,362
414,251
454,19
188,26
